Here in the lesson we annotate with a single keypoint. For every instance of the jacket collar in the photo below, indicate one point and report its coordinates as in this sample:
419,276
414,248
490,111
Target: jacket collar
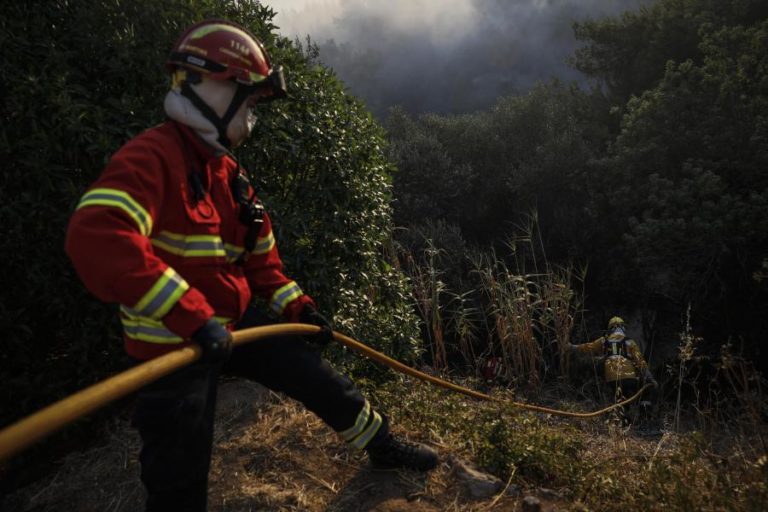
195,143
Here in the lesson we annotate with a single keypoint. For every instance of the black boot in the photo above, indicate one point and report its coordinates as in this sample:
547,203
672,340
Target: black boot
393,454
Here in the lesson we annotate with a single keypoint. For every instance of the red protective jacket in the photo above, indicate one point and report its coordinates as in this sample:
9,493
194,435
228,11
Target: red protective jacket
140,238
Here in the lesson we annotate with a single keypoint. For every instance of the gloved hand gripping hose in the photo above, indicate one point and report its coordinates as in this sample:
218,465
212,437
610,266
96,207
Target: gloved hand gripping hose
33,428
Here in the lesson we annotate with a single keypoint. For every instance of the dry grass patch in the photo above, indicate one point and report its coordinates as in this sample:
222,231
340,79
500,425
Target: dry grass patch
273,455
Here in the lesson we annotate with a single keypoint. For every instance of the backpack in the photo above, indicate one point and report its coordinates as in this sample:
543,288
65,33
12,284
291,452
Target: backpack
613,345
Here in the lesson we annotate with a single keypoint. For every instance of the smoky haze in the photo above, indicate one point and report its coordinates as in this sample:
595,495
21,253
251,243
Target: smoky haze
444,56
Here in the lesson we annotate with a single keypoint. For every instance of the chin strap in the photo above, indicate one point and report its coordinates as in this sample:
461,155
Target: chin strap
221,123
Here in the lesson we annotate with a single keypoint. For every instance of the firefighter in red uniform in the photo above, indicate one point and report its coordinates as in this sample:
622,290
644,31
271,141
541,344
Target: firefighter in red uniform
173,232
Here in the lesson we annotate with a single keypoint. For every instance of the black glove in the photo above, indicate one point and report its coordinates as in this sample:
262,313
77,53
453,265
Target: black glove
310,315
216,342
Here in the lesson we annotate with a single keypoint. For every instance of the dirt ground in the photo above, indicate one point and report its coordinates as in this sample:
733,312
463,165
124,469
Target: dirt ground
270,455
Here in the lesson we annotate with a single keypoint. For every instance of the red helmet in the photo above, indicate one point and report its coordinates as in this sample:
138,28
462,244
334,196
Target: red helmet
224,50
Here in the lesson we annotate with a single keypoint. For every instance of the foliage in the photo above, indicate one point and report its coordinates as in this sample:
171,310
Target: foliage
430,183
655,180
486,171
692,155
524,446
89,75
475,305
691,476
327,180
628,54
590,464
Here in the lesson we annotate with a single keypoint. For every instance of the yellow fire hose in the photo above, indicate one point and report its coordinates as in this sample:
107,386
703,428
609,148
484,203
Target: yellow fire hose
33,428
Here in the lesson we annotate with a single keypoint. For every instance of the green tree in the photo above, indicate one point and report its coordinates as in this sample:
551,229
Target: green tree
429,183
690,187
487,171
628,54
656,179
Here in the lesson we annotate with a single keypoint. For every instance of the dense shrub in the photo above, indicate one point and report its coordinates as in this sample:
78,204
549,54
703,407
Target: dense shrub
655,180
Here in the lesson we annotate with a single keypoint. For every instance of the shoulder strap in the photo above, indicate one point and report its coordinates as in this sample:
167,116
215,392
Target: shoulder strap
608,346
251,212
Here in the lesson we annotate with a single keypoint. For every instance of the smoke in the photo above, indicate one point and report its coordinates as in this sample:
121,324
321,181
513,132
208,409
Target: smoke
445,56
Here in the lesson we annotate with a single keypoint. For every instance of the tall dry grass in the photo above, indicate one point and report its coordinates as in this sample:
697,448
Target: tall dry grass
428,290
508,303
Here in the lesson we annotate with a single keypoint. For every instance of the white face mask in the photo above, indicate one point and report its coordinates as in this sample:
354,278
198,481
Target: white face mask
241,125
218,95
251,119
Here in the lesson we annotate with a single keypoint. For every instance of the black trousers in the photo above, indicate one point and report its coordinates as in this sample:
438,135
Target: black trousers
640,410
623,389
175,415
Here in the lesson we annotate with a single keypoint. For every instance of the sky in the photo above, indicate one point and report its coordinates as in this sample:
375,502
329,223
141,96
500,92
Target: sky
444,56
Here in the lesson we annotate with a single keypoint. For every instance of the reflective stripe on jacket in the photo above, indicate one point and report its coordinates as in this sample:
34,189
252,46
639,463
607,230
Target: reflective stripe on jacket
140,237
